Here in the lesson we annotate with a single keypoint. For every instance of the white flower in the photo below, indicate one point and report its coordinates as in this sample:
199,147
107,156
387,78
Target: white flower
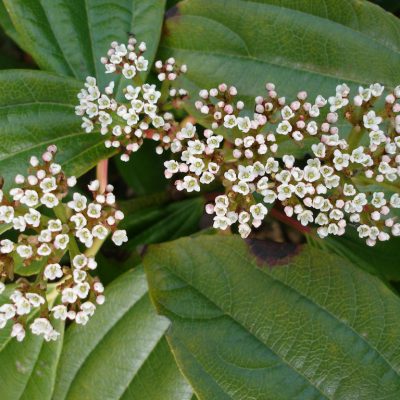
244,230
246,173
79,220
244,124
6,247
68,296
340,160
190,184
54,225
371,121
312,128
23,306
48,184
60,312
8,310
119,237
33,218
337,102
24,251
82,290
85,237
81,318
78,203
61,241
49,200
269,196
94,210
311,174
44,250
395,200
271,166
242,188
88,308
43,327
53,271
18,332
258,211
284,128
378,199
285,191
35,299
221,222
305,217
129,71
30,198
80,261
206,177
19,224
287,112
100,232
230,121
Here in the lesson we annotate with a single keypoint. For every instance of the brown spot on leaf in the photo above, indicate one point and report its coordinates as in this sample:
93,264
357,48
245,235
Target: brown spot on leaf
272,254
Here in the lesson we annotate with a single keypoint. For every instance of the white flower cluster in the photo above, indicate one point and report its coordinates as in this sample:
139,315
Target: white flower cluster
45,240
141,115
330,191
200,161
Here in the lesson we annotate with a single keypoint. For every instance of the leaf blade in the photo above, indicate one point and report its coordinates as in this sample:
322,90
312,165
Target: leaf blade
253,331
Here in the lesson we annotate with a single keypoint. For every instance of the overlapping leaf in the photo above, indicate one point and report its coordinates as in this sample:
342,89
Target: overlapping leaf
296,44
28,369
70,37
306,329
36,110
121,353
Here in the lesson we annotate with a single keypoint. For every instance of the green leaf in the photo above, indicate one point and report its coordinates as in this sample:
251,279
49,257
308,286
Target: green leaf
311,327
122,352
381,260
69,37
295,44
28,369
144,172
36,110
159,224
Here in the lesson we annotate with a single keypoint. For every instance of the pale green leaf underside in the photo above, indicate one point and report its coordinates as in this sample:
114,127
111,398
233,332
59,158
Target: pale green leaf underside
122,352
299,45
317,328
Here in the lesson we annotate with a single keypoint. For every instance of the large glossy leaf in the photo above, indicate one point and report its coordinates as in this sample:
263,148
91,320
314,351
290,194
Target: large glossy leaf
27,369
69,37
312,327
36,110
122,352
296,44
163,223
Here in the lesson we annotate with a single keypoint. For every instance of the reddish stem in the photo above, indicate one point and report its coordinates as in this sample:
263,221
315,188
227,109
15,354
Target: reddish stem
102,174
280,216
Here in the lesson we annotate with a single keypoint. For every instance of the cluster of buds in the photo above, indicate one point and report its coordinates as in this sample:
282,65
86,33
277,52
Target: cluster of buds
145,110
77,227
329,189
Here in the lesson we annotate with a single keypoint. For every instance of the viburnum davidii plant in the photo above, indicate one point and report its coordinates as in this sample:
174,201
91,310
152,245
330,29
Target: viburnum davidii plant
240,150
61,232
